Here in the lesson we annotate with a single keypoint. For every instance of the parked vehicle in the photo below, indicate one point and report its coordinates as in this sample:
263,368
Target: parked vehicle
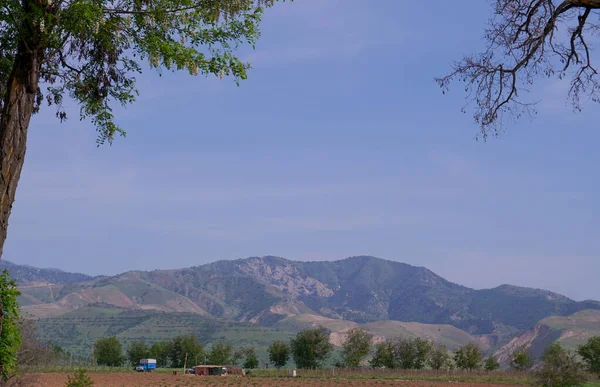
146,365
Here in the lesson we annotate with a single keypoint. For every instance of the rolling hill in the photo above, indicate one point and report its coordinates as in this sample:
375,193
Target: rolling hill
266,290
448,335
571,331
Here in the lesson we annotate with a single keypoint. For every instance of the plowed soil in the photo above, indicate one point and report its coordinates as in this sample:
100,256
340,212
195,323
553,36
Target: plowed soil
132,379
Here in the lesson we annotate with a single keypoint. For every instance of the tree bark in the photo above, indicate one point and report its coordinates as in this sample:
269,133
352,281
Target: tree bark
17,109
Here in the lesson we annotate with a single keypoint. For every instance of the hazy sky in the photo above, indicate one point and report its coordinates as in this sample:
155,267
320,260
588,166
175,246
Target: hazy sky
338,144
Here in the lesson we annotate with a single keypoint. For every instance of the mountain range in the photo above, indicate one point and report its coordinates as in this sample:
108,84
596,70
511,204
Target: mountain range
25,274
384,296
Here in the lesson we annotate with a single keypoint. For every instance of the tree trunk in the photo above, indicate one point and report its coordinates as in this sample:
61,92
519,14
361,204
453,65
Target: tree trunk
17,109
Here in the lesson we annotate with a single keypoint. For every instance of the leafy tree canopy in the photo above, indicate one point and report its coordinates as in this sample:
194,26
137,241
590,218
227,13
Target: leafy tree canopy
521,360
559,368
92,50
402,352
108,352
439,358
220,354
384,355
590,353
179,346
137,350
251,361
160,352
491,364
311,347
279,353
468,357
356,347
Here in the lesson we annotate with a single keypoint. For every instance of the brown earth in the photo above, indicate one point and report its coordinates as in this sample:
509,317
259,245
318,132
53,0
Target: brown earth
131,379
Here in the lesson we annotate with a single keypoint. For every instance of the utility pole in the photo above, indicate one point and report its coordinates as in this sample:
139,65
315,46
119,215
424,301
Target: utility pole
185,363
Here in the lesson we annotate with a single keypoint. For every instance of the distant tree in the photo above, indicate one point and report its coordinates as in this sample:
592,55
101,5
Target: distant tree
384,355
468,357
251,361
10,336
108,352
439,358
279,353
356,347
491,364
32,351
160,352
311,347
181,346
590,353
406,353
521,360
238,354
57,349
559,368
525,42
220,354
137,350
422,350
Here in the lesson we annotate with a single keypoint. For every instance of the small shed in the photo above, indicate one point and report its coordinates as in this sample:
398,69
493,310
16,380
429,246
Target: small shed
216,370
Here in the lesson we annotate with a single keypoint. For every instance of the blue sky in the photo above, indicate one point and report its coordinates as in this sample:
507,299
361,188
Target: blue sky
338,144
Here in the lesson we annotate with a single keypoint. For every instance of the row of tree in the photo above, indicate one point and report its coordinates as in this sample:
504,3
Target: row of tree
311,348
175,353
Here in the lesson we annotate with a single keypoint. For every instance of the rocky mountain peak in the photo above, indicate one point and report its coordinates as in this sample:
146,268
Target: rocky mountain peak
285,277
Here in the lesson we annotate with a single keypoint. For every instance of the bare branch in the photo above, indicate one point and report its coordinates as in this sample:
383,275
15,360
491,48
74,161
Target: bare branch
525,42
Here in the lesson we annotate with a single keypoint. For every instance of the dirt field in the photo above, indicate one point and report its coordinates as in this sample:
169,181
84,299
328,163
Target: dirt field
131,379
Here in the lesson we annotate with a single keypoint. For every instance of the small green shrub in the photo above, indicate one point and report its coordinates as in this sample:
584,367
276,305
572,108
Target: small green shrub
521,360
10,335
79,379
491,364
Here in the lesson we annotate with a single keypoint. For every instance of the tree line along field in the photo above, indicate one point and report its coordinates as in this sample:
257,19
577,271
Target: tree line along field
398,359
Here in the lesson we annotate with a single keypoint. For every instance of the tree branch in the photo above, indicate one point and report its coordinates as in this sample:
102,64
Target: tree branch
524,31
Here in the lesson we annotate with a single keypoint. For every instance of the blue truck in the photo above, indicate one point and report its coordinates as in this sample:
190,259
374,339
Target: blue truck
146,365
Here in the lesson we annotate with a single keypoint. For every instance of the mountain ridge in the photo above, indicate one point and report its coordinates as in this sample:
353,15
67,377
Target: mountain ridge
265,290
26,274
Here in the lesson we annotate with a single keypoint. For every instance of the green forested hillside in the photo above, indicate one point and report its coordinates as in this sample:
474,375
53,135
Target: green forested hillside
77,331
